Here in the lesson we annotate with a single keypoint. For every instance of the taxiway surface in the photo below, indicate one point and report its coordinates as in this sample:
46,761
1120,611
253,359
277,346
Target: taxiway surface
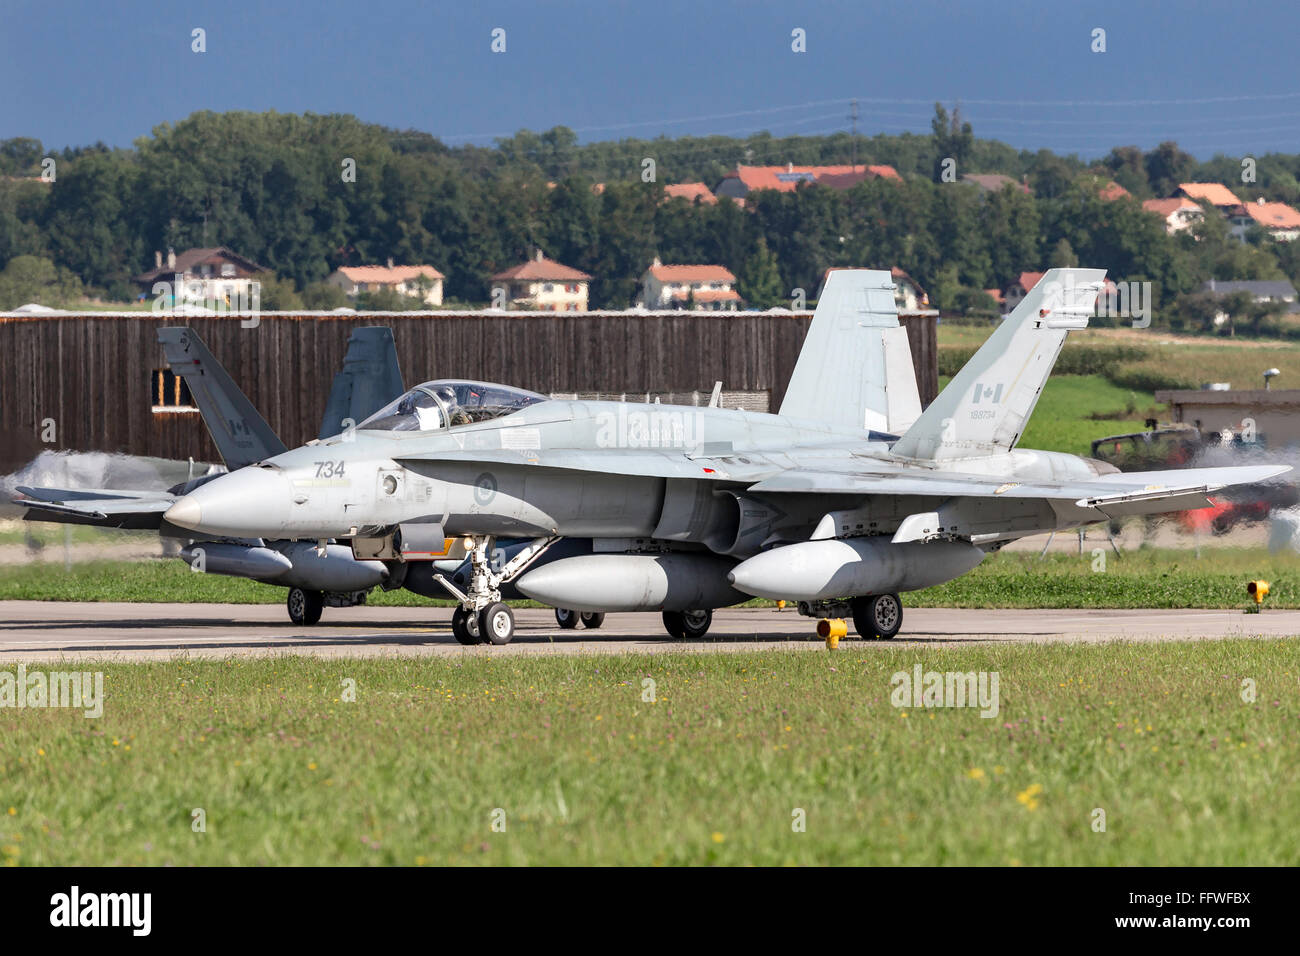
39,630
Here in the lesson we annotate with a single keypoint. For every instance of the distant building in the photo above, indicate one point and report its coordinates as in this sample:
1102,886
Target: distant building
1178,213
746,179
908,293
422,282
690,192
1277,218
213,275
704,288
1112,191
1260,290
1018,289
1213,193
541,284
994,182
1108,298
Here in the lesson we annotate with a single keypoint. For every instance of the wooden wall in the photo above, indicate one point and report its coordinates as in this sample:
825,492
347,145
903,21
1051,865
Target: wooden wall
91,372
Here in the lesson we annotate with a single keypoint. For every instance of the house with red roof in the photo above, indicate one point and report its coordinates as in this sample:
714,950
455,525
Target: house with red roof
746,179
214,274
700,287
423,281
994,182
541,285
1215,194
1279,220
1178,213
908,294
1107,297
1112,191
690,192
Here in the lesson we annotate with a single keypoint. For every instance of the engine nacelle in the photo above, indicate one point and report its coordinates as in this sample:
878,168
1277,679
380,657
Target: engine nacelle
848,567
633,582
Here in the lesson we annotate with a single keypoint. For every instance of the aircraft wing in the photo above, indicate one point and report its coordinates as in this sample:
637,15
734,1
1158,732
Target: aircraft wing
644,463
1116,494
96,506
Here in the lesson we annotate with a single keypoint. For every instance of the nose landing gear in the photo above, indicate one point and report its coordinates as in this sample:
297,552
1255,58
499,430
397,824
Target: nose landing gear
482,616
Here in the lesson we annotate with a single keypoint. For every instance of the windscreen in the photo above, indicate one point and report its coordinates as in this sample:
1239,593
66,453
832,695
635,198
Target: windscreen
449,403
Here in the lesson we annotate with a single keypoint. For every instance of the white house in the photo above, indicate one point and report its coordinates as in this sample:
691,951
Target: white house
423,282
210,275
541,284
1277,218
1178,213
703,288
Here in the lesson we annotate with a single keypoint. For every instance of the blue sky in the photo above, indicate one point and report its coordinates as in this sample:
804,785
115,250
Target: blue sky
1217,77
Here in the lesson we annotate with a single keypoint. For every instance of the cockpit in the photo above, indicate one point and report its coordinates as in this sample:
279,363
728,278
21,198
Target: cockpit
448,403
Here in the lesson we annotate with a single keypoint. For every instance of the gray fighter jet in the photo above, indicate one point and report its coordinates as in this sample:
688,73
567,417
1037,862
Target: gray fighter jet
315,577
847,496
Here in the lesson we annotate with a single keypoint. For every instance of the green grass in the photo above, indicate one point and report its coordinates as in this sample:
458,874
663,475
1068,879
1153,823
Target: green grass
712,772
1148,359
1076,409
1146,577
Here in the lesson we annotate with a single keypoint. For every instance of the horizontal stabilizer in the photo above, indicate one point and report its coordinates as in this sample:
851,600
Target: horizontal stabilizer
96,506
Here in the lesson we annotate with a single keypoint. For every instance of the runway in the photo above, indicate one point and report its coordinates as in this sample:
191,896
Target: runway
39,630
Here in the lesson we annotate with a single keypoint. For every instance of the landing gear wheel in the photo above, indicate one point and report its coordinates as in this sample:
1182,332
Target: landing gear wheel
688,624
592,620
304,606
878,616
496,623
464,626
566,619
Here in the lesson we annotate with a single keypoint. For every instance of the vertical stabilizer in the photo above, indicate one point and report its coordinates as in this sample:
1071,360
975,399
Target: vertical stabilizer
855,367
986,406
369,379
242,436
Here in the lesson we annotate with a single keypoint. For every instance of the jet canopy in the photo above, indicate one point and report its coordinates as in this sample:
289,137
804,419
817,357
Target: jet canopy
448,403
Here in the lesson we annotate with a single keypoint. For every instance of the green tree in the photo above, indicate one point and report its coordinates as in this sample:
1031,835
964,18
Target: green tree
32,279
760,278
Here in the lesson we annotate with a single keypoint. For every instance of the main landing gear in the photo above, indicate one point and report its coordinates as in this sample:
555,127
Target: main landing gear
876,617
568,620
483,618
305,605
688,625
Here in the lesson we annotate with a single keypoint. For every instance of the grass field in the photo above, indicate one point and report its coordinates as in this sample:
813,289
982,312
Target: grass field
1076,409
1142,578
582,770
1146,359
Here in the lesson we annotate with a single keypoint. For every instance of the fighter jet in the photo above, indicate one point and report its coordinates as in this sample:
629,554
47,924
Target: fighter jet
846,497
316,578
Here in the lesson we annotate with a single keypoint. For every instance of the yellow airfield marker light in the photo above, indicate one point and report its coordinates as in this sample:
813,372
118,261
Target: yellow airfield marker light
832,629
1258,590
780,605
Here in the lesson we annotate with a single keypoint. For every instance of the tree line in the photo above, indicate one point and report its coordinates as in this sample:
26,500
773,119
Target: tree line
275,188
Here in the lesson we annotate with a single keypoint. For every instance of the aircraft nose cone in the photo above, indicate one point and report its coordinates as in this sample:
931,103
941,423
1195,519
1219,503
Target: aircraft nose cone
186,513
248,503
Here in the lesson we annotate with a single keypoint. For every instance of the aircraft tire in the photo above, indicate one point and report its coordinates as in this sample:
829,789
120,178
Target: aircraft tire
496,623
592,620
304,606
688,624
566,619
877,616
464,626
